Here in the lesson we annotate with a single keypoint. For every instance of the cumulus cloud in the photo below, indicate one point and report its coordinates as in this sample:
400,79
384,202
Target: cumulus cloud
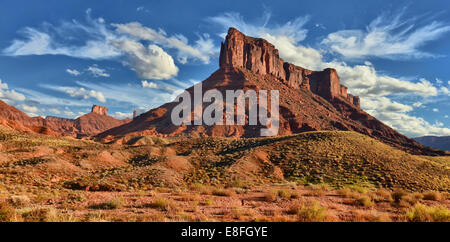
85,94
8,95
387,36
149,63
121,42
411,125
202,50
97,72
364,80
73,72
374,104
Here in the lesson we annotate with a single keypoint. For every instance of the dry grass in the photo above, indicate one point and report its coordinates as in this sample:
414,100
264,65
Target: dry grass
223,192
7,212
423,213
433,196
270,196
365,201
164,204
115,203
312,213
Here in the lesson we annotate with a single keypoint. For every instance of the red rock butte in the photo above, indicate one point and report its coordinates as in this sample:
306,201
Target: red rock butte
99,110
309,100
261,57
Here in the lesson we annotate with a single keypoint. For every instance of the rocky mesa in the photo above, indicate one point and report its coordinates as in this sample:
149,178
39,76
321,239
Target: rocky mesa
309,100
261,57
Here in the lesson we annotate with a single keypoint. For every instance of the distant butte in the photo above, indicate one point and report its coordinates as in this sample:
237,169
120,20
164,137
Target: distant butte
86,125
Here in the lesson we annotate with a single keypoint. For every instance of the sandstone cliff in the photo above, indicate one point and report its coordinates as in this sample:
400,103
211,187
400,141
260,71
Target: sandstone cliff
261,57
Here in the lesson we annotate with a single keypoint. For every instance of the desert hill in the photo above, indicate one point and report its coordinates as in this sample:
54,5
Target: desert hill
309,100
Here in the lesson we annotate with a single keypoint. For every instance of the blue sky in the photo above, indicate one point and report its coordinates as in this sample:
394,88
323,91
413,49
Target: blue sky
61,57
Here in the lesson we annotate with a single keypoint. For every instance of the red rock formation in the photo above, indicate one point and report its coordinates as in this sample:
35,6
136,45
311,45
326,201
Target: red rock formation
309,100
256,55
87,125
296,76
99,110
261,57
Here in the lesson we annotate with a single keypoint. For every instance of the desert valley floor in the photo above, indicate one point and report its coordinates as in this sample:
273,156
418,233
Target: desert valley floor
313,176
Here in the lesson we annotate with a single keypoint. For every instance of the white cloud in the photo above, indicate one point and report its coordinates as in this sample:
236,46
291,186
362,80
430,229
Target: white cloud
85,94
384,104
387,37
202,50
73,72
97,72
120,115
79,93
445,90
51,40
365,81
8,95
411,125
31,110
149,63
100,41
435,110
153,85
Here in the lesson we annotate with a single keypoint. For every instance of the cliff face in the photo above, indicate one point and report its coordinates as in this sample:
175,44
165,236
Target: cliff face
261,57
99,110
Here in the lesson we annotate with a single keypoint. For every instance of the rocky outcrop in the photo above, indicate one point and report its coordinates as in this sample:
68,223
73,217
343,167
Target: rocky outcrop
99,110
256,55
261,57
